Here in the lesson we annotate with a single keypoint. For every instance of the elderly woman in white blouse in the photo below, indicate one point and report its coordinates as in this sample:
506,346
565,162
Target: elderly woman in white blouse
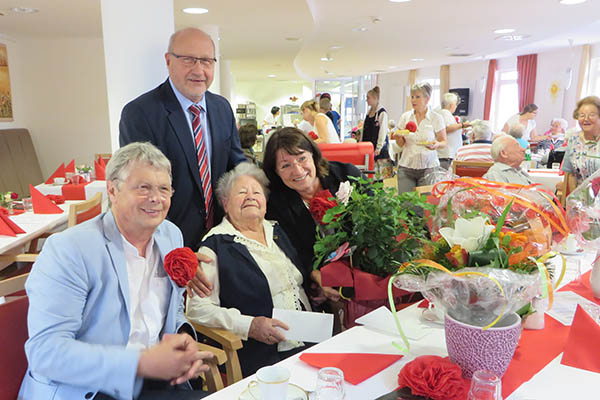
419,155
253,271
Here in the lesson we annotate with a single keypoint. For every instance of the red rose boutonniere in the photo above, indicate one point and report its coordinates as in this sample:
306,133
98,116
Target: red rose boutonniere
320,204
181,265
434,377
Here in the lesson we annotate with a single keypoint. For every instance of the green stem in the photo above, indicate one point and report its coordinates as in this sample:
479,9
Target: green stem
406,347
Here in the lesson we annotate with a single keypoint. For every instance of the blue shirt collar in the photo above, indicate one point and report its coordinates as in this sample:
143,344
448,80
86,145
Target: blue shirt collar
184,101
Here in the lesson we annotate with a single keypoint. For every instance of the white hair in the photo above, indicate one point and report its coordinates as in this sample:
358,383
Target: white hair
227,181
563,123
448,99
498,145
482,130
516,131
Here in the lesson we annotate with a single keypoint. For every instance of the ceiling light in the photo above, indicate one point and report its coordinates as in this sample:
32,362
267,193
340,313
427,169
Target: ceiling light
571,2
417,59
460,54
336,47
505,30
195,10
510,38
360,29
271,76
292,39
326,58
24,10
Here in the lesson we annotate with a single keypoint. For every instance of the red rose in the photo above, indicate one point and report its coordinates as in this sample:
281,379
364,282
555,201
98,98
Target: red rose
434,377
181,265
320,204
312,135
411,126
14,195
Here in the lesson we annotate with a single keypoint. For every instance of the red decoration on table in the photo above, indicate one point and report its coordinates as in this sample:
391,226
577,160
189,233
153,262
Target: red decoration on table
42,204
434,377
100,169
312,135
70,167
59,173
357,367
181,265
320,204
56,199
581,350
7,226
74,192
14,195
411,126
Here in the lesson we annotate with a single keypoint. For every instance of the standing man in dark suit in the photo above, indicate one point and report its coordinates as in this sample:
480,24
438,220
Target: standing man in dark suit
193,127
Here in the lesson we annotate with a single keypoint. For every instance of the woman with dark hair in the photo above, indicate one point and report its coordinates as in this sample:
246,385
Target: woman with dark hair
525,118
270,120
248,134
297,172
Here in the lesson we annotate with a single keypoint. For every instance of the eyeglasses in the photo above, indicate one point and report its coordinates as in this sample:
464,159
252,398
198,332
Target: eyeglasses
190,61
146,190
586,116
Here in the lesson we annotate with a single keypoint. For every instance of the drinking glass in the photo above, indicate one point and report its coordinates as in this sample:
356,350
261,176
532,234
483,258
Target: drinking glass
485,385
330,384
27,204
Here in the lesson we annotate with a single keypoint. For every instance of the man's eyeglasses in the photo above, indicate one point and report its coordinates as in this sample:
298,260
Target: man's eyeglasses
586,116
190,61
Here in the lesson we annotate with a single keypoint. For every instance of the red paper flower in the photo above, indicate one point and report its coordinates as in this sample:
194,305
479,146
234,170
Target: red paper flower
181,265
434,377
411,126
14,195
312,135
56,199
320,204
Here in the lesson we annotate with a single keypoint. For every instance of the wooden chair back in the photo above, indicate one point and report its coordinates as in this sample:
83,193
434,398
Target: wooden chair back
471,168
85,210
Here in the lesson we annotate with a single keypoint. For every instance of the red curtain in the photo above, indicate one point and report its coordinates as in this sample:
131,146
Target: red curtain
489,90
527,70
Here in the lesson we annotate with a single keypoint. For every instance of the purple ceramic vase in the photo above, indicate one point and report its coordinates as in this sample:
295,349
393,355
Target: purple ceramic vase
473,348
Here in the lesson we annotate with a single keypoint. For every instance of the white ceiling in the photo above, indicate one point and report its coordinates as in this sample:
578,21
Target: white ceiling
253,33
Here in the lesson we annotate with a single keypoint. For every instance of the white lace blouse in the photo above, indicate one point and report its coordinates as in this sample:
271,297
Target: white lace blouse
284,279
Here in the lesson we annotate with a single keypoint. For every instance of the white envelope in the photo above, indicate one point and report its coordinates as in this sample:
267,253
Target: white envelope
382,319
304,326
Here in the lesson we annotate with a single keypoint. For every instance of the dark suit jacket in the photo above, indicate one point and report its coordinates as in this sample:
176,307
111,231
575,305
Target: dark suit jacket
157,117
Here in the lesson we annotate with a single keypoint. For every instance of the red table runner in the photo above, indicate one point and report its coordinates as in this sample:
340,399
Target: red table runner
74,192
538,347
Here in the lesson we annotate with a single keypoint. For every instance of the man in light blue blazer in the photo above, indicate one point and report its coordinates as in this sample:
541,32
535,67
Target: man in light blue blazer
105,320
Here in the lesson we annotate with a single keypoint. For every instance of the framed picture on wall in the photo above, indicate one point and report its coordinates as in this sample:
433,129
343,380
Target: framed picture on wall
6,108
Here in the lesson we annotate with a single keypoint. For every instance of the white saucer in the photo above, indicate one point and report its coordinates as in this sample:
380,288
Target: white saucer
294,392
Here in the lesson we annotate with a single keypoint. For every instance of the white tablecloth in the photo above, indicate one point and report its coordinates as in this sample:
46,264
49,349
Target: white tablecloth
547,177
90,189
555,381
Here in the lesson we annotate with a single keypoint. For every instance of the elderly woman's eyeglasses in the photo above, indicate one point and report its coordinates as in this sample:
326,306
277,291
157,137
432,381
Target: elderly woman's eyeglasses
190,61
586,116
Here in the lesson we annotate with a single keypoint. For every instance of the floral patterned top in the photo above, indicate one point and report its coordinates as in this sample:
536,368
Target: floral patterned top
582,157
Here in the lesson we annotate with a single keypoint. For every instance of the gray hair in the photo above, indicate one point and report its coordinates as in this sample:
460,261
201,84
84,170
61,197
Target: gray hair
227,181
177,33
422,87
482,130
498,145
119,166
516,131
563,123
448,99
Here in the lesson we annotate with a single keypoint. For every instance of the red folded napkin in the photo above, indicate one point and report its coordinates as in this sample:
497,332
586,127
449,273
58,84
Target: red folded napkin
70,167
100,169
59,173
581,350
357,367
7,227
102,162
74,192
42,204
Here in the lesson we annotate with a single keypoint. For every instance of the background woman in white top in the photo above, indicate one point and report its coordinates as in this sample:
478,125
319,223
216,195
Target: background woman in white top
453,130
419,156
525,118
320,122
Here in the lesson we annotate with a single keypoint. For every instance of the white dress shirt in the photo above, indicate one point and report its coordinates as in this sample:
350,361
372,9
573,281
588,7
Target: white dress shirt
415,155
148,295
453,139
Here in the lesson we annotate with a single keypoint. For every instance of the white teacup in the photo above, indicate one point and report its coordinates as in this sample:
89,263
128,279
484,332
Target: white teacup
272,383
59,181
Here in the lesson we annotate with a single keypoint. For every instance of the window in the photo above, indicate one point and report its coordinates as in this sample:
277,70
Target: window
505,100
434,101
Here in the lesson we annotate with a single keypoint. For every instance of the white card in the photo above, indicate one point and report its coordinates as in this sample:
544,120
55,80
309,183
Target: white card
565,305
382,319
304,326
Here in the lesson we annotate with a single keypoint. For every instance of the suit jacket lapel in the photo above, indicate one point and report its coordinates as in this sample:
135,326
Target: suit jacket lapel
114,244
178,122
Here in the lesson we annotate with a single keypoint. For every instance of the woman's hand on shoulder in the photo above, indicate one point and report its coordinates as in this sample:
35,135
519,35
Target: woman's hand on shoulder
265,330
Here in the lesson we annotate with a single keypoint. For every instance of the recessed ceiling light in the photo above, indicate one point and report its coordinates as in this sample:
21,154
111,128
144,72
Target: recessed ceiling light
504,30
271,76
24,10
336,47
328,58
360,29
195,10
510,38
460,54
417,59
571,2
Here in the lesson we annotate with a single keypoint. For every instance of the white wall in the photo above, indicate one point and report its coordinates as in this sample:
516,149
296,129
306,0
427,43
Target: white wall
393,88
63,87
266,94
473,76
15,71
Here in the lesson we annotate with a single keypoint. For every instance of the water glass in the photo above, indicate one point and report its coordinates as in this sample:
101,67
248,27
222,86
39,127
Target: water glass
330,384
485,385
27,204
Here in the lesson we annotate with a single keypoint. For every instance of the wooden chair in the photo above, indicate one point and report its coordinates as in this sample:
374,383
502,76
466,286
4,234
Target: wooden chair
85,210
471,168
424,189
231,343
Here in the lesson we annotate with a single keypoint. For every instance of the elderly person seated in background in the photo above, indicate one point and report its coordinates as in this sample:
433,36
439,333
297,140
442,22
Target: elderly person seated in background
254,269
508,155
481,148
453,130
582,157
555,136
516,131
